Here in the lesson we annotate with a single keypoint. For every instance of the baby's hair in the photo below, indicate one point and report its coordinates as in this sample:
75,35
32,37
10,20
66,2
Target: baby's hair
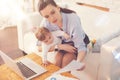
41,33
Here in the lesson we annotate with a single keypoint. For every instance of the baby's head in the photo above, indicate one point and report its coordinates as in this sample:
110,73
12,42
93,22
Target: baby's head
44,35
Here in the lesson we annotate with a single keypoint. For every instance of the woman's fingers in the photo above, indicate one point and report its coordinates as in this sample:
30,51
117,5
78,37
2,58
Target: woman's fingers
71,49
67,48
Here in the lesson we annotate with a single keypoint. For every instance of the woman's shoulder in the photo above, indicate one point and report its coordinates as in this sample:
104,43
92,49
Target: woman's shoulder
71,15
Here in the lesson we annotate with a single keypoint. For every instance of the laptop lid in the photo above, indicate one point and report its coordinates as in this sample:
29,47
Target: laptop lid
13,65
10,63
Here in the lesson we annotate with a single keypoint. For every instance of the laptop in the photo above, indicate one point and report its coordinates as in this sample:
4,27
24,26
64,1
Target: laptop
26,68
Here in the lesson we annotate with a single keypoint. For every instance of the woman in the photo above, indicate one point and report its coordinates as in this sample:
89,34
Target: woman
66,20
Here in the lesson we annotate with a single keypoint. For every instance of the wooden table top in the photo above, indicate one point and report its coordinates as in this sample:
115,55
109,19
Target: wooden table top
7,74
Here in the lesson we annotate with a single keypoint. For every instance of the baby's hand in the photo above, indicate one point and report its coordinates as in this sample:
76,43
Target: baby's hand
45,63
66,36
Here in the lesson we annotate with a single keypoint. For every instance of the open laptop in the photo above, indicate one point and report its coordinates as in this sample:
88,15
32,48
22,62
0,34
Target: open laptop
26,68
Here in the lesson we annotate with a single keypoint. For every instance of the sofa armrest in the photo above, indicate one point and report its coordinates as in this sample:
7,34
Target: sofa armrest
24,26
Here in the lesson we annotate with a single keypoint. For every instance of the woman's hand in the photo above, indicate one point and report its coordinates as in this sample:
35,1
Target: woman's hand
67,48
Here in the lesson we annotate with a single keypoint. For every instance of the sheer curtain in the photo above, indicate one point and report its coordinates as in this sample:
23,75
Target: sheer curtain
10,11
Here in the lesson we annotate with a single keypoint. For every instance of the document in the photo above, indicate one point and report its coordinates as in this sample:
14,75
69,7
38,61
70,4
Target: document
59,77
73,65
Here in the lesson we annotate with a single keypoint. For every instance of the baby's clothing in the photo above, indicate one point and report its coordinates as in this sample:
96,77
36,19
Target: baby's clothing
56,41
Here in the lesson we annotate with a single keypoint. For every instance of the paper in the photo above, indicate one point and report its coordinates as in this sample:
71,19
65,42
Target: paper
81,75
73,65
59,77
76,74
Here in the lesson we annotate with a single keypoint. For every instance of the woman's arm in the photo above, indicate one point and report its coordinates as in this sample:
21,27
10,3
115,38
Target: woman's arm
77,36
81,56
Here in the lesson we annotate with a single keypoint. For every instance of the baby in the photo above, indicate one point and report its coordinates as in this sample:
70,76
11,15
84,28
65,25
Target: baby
49,39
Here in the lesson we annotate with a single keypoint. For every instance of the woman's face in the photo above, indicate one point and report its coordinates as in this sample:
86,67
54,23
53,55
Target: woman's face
52,14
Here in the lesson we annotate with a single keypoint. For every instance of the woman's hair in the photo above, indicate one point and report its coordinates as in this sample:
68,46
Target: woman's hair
43,3
41,33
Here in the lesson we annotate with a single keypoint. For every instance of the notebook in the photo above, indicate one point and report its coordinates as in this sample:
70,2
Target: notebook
26,68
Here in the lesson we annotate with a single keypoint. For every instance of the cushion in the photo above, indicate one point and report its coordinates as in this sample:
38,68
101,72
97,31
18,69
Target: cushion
109,37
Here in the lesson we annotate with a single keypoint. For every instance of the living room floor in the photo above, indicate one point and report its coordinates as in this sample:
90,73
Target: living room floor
9,43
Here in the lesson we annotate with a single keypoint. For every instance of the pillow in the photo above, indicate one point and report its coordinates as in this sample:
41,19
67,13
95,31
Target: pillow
108,37
99,42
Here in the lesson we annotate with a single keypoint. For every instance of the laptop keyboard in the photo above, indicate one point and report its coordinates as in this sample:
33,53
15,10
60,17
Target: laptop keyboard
27,72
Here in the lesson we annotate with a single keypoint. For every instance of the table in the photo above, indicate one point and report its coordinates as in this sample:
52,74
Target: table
7,74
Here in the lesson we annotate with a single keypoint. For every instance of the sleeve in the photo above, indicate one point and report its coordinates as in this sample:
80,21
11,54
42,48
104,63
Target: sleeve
58,33
45,49
38,43
77,33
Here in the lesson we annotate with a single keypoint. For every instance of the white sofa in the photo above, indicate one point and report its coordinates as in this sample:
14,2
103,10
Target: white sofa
109,68
99,25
